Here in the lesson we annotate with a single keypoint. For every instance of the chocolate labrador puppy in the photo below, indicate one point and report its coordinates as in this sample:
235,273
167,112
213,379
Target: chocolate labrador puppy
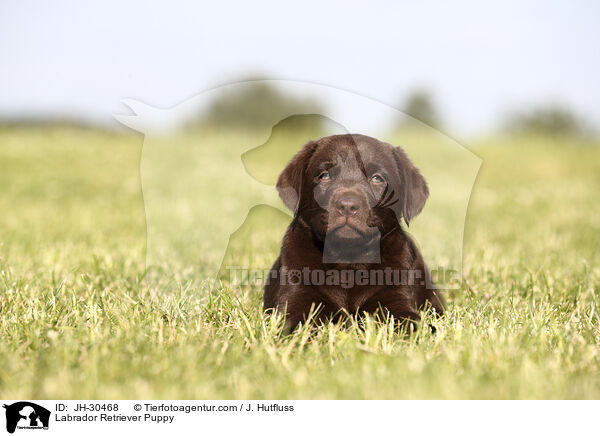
345,252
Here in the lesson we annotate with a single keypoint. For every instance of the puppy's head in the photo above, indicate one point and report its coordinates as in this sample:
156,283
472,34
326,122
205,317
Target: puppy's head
352,188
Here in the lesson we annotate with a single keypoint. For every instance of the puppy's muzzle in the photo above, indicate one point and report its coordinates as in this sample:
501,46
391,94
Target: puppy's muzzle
347,205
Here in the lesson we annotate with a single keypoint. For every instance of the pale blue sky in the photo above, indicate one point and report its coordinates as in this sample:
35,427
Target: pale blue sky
480,60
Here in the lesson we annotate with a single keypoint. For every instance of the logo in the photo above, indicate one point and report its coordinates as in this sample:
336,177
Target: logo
246,150
26,415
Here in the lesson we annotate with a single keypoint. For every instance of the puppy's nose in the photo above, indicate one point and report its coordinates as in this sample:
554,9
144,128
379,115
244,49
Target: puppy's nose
347,205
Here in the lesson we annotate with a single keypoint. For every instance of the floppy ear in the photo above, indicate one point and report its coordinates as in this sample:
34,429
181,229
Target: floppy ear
289,183
414,190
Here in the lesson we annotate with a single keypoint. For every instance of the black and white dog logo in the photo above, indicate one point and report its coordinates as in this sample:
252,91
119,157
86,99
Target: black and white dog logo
26,415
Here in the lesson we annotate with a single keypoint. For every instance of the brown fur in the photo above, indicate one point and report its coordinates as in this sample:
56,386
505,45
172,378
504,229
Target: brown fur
329,182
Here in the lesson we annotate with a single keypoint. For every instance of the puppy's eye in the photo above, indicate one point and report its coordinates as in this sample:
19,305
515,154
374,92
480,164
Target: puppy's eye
377,179
324,176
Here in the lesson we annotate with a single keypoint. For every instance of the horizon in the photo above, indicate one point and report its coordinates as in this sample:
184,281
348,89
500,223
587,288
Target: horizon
72,61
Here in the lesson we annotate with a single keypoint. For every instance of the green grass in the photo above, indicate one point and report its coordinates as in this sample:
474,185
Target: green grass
80,319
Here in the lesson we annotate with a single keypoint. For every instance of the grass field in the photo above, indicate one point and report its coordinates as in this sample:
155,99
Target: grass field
78,319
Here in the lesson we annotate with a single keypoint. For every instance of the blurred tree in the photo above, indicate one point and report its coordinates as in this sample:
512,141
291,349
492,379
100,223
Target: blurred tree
419,105
550,120
259,105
